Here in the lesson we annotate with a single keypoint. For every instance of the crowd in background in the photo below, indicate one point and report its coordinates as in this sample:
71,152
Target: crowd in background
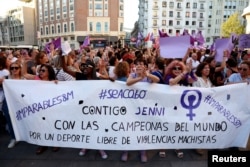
197,68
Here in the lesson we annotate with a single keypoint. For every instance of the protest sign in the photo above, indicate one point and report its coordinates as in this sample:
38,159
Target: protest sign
112,116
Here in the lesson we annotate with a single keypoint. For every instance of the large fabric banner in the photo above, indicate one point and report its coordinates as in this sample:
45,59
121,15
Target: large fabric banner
112,116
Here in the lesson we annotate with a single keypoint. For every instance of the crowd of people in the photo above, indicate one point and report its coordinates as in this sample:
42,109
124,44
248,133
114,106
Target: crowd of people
197,68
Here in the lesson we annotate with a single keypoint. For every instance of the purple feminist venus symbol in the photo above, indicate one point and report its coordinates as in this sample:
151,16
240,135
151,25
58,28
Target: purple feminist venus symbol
192,95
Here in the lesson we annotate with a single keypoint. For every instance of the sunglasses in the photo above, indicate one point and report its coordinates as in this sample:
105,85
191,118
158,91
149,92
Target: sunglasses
243,69
12,68
177,68
86,66
42,70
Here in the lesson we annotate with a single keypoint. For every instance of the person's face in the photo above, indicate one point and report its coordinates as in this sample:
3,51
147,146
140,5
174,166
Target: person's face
140,67
44,59
244,70
43,73
194,56
86,69
15,69
177,70
205,71
213,63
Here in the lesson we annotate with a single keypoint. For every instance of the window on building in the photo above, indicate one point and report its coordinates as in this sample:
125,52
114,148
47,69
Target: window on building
171,4
58,11
163,22
41,31
194,15
200,24
90,26
72,27
59,29
187,14
45,13
201,15
71,7
188,5
170,22
98,6
178,15
47,30
90,6
106,26
154,22
164,4
201,6
170,31
64,9
194,5
52,30
121,26
98,27
178,5
51,12
178,23
171,13
187,23
106,6
164,13
121,7
193,23
65,27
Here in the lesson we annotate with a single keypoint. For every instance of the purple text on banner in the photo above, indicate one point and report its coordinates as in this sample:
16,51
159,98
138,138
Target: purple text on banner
244,41
220,46
174,47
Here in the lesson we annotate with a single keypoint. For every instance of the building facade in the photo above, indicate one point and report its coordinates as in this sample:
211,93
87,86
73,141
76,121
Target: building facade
173,16
73,20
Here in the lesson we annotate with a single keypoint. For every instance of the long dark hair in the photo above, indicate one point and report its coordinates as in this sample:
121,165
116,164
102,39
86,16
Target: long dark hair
51,72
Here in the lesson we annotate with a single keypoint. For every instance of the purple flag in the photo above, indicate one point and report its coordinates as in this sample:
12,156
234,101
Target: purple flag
86,42
140,36
56,43
185,32
199,38
212,47
151,37
244,41
162,34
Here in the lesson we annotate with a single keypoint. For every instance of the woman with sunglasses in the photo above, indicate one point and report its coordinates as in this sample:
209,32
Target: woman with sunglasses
177,73
15,73
88,72
46,73
242,76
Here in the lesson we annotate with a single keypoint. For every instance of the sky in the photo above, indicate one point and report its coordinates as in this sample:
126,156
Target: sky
130,11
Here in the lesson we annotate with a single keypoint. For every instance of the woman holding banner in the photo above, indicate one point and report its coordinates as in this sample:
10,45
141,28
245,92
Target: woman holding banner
177,73
202,73
45,73
141,74
88,72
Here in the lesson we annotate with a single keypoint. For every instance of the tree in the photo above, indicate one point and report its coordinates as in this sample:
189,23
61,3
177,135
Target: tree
232,25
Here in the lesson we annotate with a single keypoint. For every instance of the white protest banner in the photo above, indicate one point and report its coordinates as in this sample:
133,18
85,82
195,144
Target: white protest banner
112,116
174,47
